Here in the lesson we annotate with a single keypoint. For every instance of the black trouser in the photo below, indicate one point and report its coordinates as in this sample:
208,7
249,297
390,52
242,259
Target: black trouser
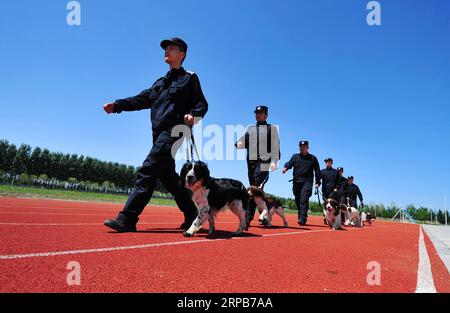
159,164
353,203
302,192
256,177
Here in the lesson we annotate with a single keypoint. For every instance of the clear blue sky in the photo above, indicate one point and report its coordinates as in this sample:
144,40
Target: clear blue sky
376,99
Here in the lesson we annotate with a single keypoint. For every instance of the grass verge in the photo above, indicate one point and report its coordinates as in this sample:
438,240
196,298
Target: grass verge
31,192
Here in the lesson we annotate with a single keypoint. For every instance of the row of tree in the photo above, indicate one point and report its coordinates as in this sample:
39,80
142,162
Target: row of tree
24,160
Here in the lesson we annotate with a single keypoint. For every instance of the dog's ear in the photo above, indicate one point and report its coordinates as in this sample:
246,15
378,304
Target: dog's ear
184,170
203,172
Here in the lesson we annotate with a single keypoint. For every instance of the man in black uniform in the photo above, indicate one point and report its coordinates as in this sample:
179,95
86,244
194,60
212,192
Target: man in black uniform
174,99
352,191
263,152
341,190
330,180
306,167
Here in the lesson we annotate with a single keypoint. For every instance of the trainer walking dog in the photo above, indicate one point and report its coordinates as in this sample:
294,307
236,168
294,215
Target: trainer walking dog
306,169
263,152
173,99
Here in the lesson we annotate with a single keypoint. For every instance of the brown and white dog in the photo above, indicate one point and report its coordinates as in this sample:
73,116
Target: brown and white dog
332,213
267,206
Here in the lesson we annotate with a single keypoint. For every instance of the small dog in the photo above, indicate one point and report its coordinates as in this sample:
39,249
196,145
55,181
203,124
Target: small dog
267,206
213,195
367,217
332,213
352,215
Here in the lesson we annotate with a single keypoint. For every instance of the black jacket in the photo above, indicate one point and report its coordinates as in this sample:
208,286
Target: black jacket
352,191
330,179
342,184
259,137
170,98
305,168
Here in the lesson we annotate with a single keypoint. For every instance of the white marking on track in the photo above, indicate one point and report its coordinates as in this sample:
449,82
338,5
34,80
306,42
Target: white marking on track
425,282
86,214
152,245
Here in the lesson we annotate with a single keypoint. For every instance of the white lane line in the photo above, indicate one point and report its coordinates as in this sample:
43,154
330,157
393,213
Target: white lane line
425,282
150,245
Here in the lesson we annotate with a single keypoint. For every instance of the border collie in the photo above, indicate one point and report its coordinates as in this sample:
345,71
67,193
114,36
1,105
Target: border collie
213,195
267,206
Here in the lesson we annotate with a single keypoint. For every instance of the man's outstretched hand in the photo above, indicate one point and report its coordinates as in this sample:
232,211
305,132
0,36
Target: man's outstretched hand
109,107
189,120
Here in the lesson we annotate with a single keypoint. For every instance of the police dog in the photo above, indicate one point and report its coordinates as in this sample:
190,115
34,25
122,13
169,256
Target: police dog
267,206
352,215
367,217
332,213
213,195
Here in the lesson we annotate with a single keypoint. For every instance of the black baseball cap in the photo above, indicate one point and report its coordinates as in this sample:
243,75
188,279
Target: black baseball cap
340,169
304,142
328,159
350,177
262,108
174,41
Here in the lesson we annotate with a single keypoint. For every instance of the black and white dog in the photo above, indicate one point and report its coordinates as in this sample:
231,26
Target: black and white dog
332,213
352,215
367,217
213,195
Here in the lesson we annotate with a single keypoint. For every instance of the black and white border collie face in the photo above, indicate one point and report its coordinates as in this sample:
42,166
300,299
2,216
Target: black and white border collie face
332,213
212,195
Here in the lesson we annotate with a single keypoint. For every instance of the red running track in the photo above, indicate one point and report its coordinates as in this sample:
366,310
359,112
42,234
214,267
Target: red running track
40,237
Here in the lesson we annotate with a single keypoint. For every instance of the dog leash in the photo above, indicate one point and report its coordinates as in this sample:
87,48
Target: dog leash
318,196
191,147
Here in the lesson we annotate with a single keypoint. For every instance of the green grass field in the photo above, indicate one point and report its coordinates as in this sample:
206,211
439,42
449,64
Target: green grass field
29,192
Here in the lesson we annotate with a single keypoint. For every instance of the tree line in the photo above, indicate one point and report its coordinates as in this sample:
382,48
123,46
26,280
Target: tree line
23,164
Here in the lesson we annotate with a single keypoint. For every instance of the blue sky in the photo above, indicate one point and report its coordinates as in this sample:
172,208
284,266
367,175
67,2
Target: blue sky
376,99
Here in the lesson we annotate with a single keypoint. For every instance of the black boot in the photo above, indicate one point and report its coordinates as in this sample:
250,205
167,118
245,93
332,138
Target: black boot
121,225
